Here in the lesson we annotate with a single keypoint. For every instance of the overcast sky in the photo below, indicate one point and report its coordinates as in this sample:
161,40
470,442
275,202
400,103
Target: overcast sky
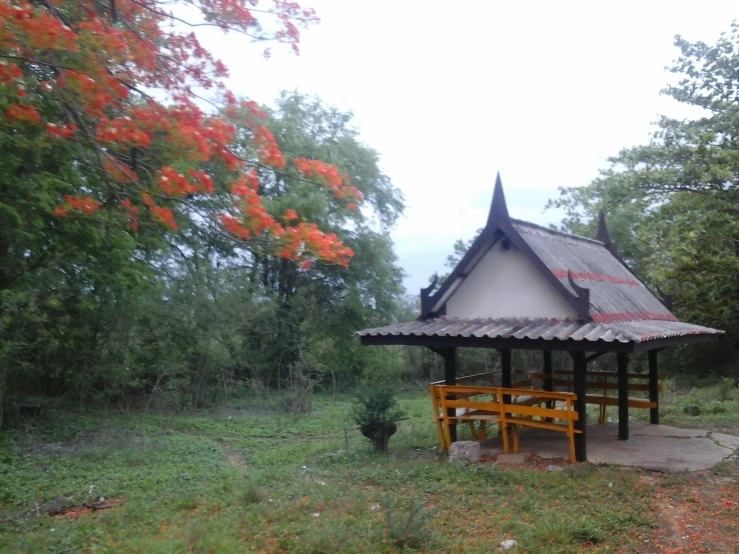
449,93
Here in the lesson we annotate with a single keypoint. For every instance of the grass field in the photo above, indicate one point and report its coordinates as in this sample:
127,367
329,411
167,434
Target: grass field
248,478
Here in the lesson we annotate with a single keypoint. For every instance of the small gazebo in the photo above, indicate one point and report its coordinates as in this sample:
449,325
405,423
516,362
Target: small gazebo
523,286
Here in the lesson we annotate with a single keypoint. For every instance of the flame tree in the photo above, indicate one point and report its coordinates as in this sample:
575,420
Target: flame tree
116,133
123,81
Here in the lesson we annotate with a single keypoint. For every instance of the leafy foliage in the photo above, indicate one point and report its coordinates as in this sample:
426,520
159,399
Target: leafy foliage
376,405
673,203
157,254
117,81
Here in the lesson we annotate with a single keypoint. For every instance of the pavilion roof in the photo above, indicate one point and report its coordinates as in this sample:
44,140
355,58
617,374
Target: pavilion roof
614,292
541,329
608,303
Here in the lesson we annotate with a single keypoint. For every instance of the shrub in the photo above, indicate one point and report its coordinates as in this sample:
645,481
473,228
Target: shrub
691,408
715,407
377,414
252,494
725,386
408,525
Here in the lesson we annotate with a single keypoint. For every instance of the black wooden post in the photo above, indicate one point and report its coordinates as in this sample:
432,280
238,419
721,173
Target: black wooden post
623,397
580,367
653,387
505,365
450,378
548,383
505,378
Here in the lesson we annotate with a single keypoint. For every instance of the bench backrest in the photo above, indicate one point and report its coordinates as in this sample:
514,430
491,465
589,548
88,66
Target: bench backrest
605,380
503,400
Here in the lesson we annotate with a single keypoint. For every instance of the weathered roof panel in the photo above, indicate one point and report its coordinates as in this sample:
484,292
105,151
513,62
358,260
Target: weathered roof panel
627,331
616,294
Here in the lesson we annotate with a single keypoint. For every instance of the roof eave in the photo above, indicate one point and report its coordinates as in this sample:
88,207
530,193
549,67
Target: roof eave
567,345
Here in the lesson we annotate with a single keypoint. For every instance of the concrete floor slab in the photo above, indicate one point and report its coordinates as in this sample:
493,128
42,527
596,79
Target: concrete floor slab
656,447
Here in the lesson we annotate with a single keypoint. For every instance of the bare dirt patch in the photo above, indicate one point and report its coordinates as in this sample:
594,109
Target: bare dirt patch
232,456
697,512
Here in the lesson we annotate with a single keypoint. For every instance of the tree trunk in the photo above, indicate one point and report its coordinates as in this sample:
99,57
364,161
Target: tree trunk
379,434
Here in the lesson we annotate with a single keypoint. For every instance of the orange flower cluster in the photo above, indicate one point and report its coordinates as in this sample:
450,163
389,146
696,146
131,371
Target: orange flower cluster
165,215
94,91
123,130
307,237
112,72
63,131
22,112
81,203
9,73
41,30
269,152
119,171
330,177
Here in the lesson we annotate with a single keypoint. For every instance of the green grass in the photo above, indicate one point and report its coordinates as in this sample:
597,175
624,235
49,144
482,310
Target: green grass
675,398
308,484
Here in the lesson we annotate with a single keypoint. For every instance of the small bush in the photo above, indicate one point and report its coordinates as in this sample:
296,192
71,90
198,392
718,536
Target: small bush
715,407
725,387
408,525
585,531
561,529
253,494
691,408
377,414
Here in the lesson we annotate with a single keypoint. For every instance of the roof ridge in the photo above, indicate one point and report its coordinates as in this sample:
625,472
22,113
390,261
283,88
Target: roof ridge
557,232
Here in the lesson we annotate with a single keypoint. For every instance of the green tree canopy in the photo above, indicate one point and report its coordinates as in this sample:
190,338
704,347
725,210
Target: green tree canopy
673,204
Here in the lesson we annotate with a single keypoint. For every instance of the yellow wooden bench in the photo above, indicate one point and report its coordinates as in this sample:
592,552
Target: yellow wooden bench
605,381
560,417
508,407
476,434
470,404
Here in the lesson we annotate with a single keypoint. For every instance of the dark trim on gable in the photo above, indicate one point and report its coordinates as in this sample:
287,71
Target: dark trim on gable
580,303
581,293
604,238
500,221
498,208
426,298
665,298
602,235
456,273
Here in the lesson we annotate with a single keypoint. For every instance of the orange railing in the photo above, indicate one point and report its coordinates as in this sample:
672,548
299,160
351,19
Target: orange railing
510,408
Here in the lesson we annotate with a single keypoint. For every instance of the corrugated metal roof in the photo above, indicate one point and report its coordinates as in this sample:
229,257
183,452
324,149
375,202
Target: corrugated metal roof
545,329
618,307
616,294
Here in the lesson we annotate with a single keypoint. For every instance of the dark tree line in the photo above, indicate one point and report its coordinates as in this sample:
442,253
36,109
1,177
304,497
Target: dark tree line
95,311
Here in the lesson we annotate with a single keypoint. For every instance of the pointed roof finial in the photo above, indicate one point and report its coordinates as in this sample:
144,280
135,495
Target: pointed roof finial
498,209
602,233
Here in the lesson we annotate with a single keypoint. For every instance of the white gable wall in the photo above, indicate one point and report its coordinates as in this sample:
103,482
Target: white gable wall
506,284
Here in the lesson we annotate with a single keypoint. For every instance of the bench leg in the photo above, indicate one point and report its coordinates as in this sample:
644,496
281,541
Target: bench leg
479,433
504,427
447,435
602,414
482,431
440,432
